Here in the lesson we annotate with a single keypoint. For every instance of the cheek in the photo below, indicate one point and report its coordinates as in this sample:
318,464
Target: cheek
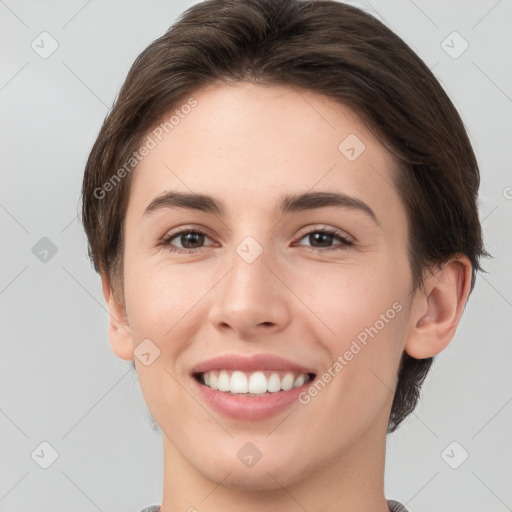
160,306
351,299
160,298
364,311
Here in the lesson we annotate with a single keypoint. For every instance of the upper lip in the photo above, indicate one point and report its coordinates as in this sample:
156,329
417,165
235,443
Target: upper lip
249,363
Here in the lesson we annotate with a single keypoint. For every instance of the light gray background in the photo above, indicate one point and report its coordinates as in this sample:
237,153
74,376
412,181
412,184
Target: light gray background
60,381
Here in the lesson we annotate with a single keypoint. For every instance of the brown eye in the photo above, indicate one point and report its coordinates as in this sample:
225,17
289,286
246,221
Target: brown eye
189,240
321,239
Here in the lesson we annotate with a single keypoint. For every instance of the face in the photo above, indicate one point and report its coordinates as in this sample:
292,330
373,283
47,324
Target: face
312,293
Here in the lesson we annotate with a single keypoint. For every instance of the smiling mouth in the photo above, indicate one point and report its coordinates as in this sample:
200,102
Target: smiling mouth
251,384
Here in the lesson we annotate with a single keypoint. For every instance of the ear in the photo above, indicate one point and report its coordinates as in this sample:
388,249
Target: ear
438,308
119,331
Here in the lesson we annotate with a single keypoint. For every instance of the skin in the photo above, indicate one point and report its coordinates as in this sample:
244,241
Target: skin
246,145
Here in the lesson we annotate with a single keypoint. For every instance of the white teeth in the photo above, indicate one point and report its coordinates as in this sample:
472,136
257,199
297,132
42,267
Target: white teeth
299,381
214,380
239,383
287,382
224,382
256,383
274,383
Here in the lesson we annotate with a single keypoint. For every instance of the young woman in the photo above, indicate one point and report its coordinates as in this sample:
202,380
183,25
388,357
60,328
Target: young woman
282,206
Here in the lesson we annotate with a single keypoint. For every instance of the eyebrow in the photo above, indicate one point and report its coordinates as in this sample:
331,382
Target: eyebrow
289,203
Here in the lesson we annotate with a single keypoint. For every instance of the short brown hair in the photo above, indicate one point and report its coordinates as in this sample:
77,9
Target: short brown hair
327,47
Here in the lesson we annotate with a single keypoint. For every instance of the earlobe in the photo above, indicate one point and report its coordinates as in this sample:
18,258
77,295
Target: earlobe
119,331
438,308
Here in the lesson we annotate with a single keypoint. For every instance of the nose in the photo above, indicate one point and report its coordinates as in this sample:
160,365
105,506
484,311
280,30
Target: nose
250,300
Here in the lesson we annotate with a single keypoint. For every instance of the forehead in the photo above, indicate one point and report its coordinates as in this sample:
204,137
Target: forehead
249,142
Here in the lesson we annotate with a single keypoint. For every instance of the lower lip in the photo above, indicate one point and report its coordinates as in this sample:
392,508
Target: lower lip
249,407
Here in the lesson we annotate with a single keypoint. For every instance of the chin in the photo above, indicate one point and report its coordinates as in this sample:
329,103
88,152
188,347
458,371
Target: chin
269,473
243,479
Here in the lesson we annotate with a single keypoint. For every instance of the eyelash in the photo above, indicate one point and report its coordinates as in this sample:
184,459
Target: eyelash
345,242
